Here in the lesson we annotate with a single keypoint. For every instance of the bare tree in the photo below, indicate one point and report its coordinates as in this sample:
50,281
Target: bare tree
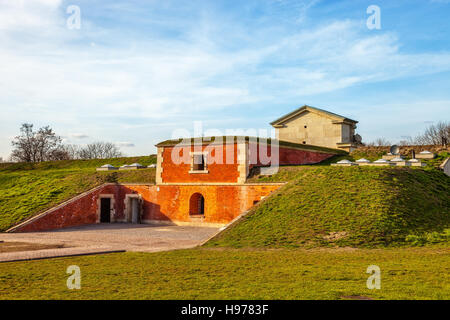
24,144
47,143
99,150
72,151
32,146
59,154
407,141
380,142
435,134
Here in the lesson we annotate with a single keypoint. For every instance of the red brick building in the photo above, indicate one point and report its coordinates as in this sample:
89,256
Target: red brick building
198,181
229,159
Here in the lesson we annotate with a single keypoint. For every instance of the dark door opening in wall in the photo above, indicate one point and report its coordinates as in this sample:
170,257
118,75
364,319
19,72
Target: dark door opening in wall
197,205
201,205
105,210
135,212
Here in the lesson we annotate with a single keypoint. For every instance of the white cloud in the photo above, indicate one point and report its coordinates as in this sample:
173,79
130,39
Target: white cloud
94,77
79,135
25,14
125,144
165,77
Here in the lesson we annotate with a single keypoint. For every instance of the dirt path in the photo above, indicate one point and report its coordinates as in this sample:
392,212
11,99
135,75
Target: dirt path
103,238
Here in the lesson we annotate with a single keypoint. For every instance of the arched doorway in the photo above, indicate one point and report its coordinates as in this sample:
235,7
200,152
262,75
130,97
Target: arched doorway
197,205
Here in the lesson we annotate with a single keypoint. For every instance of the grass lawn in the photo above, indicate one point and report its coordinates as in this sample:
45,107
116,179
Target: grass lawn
28,189
413,273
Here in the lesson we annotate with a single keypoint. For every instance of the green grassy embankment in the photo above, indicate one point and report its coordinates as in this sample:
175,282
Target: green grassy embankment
347,206
27,189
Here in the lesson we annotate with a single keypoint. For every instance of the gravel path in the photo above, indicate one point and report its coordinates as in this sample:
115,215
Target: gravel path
101,238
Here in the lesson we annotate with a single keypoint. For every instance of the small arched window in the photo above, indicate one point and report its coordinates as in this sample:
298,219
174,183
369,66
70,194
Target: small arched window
197,204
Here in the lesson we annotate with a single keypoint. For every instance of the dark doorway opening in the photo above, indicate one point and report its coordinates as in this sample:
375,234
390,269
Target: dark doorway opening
105,210
197,205
135,212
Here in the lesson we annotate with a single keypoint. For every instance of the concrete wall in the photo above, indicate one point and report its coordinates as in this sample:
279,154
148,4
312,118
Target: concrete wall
347,133
445,166
159,204
319,131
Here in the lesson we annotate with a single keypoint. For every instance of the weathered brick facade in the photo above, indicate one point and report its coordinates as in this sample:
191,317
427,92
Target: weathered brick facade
227,162
166,204
217,172
212,192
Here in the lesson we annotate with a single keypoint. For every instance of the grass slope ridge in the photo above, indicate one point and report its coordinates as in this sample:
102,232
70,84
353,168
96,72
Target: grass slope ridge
346,206
28,189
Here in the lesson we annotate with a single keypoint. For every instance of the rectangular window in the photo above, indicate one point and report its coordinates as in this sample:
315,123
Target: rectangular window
199,162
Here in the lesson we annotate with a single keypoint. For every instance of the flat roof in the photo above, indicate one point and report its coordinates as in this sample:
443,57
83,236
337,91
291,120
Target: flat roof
234,139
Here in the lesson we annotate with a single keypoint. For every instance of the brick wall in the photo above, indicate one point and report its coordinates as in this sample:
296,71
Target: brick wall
294,156
179,172
286,156
159,203
222,171
222,203
79,211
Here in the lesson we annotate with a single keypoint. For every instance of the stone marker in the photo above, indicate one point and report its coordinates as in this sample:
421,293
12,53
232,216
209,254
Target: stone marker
106,167
445,166
133,166
383,162
399,161
389,156
363,162
416,163
425,155
136,166
344,163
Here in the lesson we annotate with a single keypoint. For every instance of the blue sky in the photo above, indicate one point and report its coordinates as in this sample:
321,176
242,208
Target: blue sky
138,72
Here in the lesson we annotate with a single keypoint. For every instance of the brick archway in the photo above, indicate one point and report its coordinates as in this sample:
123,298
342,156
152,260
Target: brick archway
197,205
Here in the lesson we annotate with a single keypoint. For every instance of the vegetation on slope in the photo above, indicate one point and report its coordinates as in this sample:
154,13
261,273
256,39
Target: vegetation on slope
27,189
346,206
